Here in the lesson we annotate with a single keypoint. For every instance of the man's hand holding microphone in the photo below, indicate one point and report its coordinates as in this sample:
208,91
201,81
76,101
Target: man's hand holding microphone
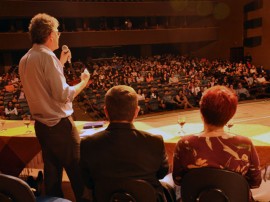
85,75
65,55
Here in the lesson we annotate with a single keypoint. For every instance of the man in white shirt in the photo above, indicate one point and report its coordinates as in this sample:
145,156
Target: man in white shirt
50,101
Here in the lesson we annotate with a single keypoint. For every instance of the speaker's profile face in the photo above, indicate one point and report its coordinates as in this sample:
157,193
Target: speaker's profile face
56,35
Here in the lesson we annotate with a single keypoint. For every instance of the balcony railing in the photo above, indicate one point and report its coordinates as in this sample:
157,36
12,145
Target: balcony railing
13,41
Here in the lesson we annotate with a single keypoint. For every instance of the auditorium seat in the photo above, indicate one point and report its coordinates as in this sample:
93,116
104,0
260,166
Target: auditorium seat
124,190
214,185
143,107
154,105
14,189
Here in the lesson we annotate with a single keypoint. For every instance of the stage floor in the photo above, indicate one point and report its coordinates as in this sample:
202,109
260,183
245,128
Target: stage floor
253,112
252,119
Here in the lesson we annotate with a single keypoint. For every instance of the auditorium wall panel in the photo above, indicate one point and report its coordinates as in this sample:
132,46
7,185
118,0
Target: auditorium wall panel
220,30
111,38
96,9
230,32
260,54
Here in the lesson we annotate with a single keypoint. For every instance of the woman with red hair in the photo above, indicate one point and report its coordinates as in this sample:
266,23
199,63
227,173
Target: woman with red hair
214,147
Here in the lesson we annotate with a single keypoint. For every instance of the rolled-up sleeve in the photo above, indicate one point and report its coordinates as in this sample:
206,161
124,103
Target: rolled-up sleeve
61,91
253,175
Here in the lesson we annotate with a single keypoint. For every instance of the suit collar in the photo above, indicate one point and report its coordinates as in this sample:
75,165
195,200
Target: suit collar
120,126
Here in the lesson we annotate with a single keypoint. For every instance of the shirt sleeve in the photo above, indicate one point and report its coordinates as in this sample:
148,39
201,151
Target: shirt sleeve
178,168
253,175
60,90
164,166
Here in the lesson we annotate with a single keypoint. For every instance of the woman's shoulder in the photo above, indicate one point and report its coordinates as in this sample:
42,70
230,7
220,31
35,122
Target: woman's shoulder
242,138
224,136
189,138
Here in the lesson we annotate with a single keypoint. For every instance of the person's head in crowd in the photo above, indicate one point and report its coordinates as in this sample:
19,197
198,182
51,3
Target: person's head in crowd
239,86
152,89
10,105
43,28
166,92
14,99
231,86
139,91
218,105
121,104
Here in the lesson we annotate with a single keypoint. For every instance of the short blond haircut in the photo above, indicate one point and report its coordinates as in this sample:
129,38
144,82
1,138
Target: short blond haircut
41,26
121,103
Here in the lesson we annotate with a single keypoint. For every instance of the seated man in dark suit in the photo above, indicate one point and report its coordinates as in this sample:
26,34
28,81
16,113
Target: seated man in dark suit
121,151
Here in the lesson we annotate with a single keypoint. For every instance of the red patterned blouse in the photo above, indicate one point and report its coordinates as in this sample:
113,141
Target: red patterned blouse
233,152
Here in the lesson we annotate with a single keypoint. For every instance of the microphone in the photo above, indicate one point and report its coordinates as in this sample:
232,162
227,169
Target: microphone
66,49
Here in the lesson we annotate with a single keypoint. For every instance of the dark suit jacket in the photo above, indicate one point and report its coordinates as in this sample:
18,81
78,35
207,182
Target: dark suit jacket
120,152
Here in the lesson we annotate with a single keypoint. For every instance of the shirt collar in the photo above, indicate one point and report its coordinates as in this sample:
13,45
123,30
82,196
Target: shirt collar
42,46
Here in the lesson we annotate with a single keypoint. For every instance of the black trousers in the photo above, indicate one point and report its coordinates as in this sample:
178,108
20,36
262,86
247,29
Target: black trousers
60,147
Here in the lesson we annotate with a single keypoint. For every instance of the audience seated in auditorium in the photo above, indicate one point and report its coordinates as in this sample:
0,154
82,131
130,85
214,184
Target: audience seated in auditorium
192,73
173,79
242,93
182,100
152,94
140,95
139,78
149,78
11,111
214,147
121,151
168,102
261,79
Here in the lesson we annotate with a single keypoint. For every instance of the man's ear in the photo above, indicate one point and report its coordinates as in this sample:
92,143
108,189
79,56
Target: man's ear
51,36
106,112
137,112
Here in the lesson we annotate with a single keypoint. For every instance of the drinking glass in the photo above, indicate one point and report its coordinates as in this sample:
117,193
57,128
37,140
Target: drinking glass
27,122
230,124
181,120
2,122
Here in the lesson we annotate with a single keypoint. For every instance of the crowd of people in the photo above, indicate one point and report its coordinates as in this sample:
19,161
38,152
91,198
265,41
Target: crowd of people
167,82
162,82
13,102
